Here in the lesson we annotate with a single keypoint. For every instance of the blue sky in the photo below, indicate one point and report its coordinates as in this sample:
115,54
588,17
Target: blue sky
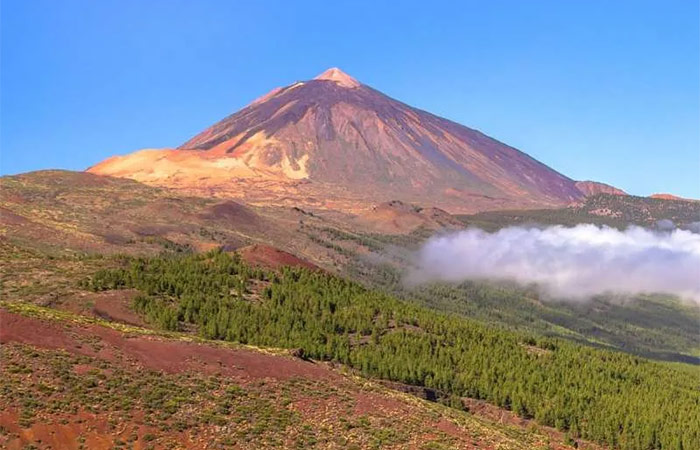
598,90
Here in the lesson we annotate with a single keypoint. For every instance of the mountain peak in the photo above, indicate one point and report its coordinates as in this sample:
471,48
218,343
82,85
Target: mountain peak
333,142
338,76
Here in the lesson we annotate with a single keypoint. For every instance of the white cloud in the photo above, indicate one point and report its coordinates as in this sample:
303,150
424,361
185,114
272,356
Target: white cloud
572,263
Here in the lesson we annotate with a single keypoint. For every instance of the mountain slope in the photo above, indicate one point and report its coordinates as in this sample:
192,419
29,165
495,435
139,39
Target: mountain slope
165,390
333,141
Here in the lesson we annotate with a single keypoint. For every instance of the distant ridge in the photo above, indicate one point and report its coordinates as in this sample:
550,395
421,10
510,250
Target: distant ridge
664,196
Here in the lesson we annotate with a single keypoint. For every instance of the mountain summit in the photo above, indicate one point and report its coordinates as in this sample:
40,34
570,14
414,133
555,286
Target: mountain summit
334,142
338,76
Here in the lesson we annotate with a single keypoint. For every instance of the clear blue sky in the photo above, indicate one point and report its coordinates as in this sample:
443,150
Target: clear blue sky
603,90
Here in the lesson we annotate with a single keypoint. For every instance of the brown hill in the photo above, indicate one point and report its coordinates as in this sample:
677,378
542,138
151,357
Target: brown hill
398,217
589,188
272,258
664,196
334,142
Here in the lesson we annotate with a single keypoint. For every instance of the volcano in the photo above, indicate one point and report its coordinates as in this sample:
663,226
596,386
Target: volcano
334,142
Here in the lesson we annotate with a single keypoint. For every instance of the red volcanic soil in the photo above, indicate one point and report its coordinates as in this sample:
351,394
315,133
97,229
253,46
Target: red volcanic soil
167,355
272,258
66,432
58,435
114,306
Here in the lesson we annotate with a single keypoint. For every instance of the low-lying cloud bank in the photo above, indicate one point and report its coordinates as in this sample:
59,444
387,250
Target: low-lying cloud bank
568,263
